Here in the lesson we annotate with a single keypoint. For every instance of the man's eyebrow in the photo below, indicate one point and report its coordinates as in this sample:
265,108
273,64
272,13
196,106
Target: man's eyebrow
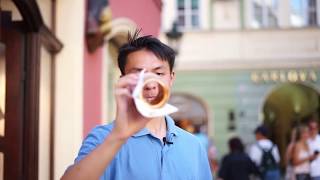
159,68
136,69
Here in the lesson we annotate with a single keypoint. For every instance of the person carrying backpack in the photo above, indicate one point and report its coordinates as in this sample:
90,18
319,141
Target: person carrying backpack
265,155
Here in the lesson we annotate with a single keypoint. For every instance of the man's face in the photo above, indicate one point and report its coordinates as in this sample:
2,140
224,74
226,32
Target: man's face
313,128
151,92
144,59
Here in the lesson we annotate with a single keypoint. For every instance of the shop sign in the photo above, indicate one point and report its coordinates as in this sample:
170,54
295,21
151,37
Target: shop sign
277,76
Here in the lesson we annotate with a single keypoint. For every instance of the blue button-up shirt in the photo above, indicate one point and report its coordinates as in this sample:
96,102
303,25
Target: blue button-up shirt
145,157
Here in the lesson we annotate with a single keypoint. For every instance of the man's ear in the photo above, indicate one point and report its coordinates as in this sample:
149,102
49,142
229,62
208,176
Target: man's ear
121,75
172,77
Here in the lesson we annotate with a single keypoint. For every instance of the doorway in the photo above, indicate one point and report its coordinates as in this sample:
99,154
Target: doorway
286,106
20,100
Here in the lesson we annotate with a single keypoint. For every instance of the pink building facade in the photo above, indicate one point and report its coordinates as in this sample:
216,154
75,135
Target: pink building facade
145,14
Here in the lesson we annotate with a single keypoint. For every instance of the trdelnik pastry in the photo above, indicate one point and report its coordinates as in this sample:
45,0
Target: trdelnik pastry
151,96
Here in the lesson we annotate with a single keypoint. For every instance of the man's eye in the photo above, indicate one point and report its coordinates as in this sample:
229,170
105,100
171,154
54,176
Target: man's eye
160,74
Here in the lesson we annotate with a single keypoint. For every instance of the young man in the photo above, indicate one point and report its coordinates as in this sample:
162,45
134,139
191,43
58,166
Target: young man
133,146
269,171
237,165
314,146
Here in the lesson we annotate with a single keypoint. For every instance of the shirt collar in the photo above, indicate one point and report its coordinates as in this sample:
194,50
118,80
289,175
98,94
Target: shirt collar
171,128
142,132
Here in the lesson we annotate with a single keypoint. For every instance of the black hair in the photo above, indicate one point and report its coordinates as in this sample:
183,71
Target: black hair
312,118
150,43
236,145
263,130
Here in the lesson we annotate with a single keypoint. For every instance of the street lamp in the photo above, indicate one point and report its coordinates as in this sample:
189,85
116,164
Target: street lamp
174,37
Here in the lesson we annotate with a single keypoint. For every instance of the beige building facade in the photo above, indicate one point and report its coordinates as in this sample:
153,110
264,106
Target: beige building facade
236,53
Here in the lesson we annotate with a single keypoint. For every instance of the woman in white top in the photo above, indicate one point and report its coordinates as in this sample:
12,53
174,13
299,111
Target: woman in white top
301,155
288,156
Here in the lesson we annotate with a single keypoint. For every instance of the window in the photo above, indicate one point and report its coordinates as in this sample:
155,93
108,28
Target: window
188,14
264,13
303,13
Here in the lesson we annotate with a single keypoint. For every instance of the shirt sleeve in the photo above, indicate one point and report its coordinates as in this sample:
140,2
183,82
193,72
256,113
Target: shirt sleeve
252,167
204,167
255,154
94,139
276,153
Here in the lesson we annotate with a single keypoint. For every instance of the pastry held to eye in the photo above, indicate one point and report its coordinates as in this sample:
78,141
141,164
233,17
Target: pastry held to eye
154,92
151,96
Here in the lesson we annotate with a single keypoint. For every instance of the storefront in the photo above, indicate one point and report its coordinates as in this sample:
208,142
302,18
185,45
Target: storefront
240,100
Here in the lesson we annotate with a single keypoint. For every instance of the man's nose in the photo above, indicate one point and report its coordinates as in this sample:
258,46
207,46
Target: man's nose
150,86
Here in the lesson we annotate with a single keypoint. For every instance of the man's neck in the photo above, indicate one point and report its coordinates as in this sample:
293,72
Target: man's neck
157,127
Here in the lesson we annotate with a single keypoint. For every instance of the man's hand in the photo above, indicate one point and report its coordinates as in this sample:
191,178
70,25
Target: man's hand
128,120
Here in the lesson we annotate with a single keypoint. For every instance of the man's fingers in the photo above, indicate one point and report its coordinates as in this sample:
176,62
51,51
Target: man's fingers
127,81
123,92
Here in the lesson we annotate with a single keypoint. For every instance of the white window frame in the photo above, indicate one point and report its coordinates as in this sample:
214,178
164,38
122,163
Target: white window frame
265,9
304,14
187,13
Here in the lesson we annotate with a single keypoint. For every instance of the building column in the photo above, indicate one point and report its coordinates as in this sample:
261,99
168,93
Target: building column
284,11
248,13
69,84
318,12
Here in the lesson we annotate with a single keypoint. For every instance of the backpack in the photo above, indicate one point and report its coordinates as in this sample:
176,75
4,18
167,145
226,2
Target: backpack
268,162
